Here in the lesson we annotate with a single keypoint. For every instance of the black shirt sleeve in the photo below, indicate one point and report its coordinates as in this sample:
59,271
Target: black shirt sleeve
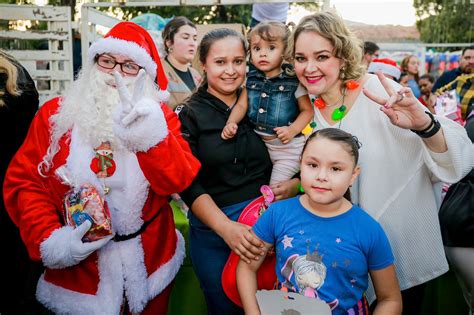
190,132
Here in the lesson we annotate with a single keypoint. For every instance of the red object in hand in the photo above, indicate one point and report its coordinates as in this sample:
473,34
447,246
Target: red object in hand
266,276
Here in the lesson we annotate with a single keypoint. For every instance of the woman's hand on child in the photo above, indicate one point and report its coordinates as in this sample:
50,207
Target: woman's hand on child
402,108
229,130
241,240
285,134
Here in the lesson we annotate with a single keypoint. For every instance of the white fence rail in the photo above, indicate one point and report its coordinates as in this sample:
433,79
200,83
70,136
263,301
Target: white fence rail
51,68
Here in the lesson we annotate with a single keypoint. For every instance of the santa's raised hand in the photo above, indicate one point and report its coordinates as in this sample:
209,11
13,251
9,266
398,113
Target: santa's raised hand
139,119
130,104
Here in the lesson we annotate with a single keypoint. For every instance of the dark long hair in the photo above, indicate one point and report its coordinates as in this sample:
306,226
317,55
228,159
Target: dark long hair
350,143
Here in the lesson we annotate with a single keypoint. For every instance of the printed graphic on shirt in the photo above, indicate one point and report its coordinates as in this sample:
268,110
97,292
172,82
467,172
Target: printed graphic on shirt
309,272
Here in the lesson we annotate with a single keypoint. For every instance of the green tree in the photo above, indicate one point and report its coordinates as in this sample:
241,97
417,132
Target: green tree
445,21
198,14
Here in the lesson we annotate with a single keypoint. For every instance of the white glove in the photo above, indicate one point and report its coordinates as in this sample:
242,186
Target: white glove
139,121
64,247
81,250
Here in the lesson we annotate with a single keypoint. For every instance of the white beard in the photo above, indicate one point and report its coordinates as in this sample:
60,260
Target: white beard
91,107
88,105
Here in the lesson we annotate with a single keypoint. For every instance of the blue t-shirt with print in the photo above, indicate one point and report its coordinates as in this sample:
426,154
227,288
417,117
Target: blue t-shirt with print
327,258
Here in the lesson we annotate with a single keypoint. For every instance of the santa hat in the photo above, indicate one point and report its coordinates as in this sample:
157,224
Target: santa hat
386,65
133,41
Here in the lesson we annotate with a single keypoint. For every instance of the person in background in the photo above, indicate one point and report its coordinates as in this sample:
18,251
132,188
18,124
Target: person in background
232,170
388,67
403,79
466,66
410,65
114,104
18,105
457,227
180,41
76,52
464,87
463,82
427,98
371,52
407,151
269,12
315,236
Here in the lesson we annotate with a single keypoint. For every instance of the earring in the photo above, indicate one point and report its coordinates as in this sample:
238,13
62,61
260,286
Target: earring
170,50
342,73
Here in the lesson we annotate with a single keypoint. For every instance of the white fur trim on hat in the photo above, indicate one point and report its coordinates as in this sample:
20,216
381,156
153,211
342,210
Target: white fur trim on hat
111,45
385,68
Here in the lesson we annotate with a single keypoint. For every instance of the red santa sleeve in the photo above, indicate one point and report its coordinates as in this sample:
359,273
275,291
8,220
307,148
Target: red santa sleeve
29,201
169,166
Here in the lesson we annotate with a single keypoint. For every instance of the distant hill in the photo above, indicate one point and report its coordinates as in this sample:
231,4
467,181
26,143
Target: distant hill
384,33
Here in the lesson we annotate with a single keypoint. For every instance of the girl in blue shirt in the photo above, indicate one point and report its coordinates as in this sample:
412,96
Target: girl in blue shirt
325,246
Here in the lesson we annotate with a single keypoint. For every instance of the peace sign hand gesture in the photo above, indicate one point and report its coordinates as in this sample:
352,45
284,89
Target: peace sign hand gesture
402,108
139,120
130,103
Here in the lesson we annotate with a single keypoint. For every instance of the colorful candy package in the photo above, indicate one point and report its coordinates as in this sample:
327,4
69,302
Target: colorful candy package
85,203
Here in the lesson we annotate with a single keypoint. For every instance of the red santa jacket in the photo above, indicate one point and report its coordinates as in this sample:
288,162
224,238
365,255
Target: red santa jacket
143,265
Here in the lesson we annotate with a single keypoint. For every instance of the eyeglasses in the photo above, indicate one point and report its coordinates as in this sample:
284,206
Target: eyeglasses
126,67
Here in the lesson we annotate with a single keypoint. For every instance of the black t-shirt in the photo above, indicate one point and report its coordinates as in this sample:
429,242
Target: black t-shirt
186,76
233,170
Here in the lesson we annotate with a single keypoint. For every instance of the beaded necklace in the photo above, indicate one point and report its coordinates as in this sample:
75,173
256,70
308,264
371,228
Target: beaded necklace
338,113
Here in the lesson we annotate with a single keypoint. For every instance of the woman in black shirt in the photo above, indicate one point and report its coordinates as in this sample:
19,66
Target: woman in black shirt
232,170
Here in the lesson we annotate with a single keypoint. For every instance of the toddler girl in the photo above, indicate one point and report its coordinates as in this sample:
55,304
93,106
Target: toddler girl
277,105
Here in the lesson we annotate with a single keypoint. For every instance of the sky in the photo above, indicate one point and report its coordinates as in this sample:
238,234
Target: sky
397,12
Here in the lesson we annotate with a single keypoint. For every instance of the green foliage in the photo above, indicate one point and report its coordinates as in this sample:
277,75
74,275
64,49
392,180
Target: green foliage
199,15
445,21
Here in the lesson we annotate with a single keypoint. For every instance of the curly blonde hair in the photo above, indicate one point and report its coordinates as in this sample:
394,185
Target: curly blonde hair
347,46
10,70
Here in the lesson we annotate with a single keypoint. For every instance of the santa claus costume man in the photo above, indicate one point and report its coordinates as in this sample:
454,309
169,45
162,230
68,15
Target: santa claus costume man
114,102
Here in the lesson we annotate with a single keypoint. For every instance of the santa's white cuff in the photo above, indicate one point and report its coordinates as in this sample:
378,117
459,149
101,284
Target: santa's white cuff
146,131
56,249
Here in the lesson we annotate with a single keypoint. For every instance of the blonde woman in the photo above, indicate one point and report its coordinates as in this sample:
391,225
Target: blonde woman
18,105
406,151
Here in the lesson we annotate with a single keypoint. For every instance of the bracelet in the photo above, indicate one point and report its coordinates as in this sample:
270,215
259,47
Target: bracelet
431,130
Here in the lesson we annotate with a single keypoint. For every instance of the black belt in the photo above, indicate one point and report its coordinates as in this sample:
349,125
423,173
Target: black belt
120,238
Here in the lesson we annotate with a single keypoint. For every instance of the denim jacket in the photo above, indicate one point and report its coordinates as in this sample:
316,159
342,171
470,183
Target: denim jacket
272,101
